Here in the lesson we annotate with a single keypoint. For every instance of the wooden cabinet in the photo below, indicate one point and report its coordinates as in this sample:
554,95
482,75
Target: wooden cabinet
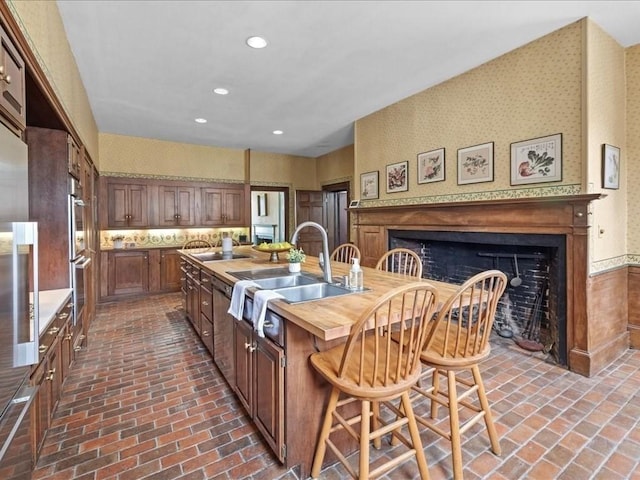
372,243
49,203
75,160
56,358
223,331
170,273
193,296
176,206
259,372
206,310
128,272
127,205
223,206
12,84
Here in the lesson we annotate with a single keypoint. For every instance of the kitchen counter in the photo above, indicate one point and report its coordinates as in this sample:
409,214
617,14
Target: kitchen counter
327,319
49,302
291,393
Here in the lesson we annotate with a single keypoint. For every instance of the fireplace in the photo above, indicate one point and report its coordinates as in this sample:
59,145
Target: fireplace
549,232
533,309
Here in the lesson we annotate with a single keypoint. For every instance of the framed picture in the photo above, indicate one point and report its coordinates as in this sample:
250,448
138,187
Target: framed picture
537,160
397,177
262,204
610,167
369,185
431,166
475,164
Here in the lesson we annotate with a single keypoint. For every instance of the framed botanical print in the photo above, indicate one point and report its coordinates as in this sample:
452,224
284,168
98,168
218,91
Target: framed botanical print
431,166
610,167
397,177
369,185
537,160
475,164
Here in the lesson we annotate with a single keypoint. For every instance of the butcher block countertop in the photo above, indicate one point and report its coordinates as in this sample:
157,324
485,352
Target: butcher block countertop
329,318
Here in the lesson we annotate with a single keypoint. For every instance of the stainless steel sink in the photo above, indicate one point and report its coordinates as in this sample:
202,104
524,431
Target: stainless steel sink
259,273
315,291
215,256
286,281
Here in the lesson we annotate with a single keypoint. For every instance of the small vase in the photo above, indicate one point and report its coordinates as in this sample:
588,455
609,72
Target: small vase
294,267
117,244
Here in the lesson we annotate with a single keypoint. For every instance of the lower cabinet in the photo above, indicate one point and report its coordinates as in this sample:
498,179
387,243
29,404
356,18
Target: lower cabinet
128,272
56,357
206,311
139,272
259,371
223,331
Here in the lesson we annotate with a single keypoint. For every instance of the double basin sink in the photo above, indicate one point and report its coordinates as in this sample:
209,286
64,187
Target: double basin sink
294,287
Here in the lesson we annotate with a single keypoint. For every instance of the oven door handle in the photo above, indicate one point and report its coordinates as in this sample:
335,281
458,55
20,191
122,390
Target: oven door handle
86,262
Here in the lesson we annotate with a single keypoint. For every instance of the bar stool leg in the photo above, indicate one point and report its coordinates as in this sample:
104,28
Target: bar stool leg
324,433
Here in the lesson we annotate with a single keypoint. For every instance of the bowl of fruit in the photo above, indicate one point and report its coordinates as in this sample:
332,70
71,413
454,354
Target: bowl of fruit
273,249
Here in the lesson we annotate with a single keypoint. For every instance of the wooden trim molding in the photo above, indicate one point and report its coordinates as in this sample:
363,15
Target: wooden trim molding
593,339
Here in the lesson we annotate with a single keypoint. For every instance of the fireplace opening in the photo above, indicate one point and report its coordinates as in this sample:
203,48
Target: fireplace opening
532,310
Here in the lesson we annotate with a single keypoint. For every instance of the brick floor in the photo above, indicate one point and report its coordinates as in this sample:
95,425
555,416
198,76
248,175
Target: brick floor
144,400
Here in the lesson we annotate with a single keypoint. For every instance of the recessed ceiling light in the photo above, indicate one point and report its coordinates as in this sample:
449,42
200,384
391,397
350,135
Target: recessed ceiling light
220,91
201,120
256,42
278,132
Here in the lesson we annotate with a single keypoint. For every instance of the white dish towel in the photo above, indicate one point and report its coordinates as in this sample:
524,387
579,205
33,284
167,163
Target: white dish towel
237,297
260,300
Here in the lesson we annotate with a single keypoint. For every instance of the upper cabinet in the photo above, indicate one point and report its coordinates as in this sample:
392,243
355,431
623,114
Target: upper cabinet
150,203
75,160
223,206
176,206
127,205
12,84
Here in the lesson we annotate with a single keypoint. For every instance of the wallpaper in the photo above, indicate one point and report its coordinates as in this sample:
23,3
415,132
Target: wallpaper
42,26
531,92
632,158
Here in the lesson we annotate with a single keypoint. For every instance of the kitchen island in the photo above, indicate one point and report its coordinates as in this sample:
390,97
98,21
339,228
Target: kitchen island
272,376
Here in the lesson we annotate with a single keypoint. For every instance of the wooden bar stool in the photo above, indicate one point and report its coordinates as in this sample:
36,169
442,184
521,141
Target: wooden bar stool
458,342
345,252
198,244
402,261
375,370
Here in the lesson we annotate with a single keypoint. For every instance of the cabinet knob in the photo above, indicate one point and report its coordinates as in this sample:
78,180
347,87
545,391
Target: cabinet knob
205,333
205,303
77,349
53,330
51,374
42,348
7,79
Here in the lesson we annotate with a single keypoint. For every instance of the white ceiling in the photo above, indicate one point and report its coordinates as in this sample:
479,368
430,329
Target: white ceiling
149,67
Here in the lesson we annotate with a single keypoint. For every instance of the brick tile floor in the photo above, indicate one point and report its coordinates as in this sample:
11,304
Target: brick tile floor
144,400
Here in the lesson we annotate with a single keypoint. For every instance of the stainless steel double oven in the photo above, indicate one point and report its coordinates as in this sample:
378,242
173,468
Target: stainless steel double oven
79,261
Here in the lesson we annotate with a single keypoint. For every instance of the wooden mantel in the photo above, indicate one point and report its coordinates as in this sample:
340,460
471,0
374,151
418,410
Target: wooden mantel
560,215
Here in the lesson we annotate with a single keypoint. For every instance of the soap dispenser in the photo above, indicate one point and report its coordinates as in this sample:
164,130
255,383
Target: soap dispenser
355,275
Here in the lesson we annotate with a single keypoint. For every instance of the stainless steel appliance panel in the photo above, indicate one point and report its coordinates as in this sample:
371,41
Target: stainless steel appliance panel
76,217
79,287
16,456
14,177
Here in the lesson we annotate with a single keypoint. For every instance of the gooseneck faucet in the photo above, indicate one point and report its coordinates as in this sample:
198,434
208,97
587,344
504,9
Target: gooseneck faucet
325,247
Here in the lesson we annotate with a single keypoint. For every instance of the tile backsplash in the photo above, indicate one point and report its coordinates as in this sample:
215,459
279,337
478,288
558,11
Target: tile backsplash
172,237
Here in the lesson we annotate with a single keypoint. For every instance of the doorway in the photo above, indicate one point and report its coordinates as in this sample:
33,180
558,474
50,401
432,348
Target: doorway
269,214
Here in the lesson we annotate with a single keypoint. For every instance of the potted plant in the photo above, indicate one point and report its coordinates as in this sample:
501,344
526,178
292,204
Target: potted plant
117,241
296,256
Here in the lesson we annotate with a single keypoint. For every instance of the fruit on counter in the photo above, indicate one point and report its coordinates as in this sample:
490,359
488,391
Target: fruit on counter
275,246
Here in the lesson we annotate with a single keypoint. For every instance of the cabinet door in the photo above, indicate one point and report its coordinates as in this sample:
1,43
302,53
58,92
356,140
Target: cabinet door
371,242
233,207
127,205
12,83
41,406
170,272
66,351
269,393
75,160
212,207
243,354
54,374
128,272
176,206
223,335
206,313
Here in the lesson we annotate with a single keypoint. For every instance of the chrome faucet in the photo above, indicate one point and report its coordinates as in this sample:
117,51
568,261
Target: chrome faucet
326,268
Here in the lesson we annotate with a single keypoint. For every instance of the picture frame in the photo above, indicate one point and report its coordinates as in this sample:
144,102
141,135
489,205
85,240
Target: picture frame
262,204
537,160
369,185
610,167
431,166
397,177
475,164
